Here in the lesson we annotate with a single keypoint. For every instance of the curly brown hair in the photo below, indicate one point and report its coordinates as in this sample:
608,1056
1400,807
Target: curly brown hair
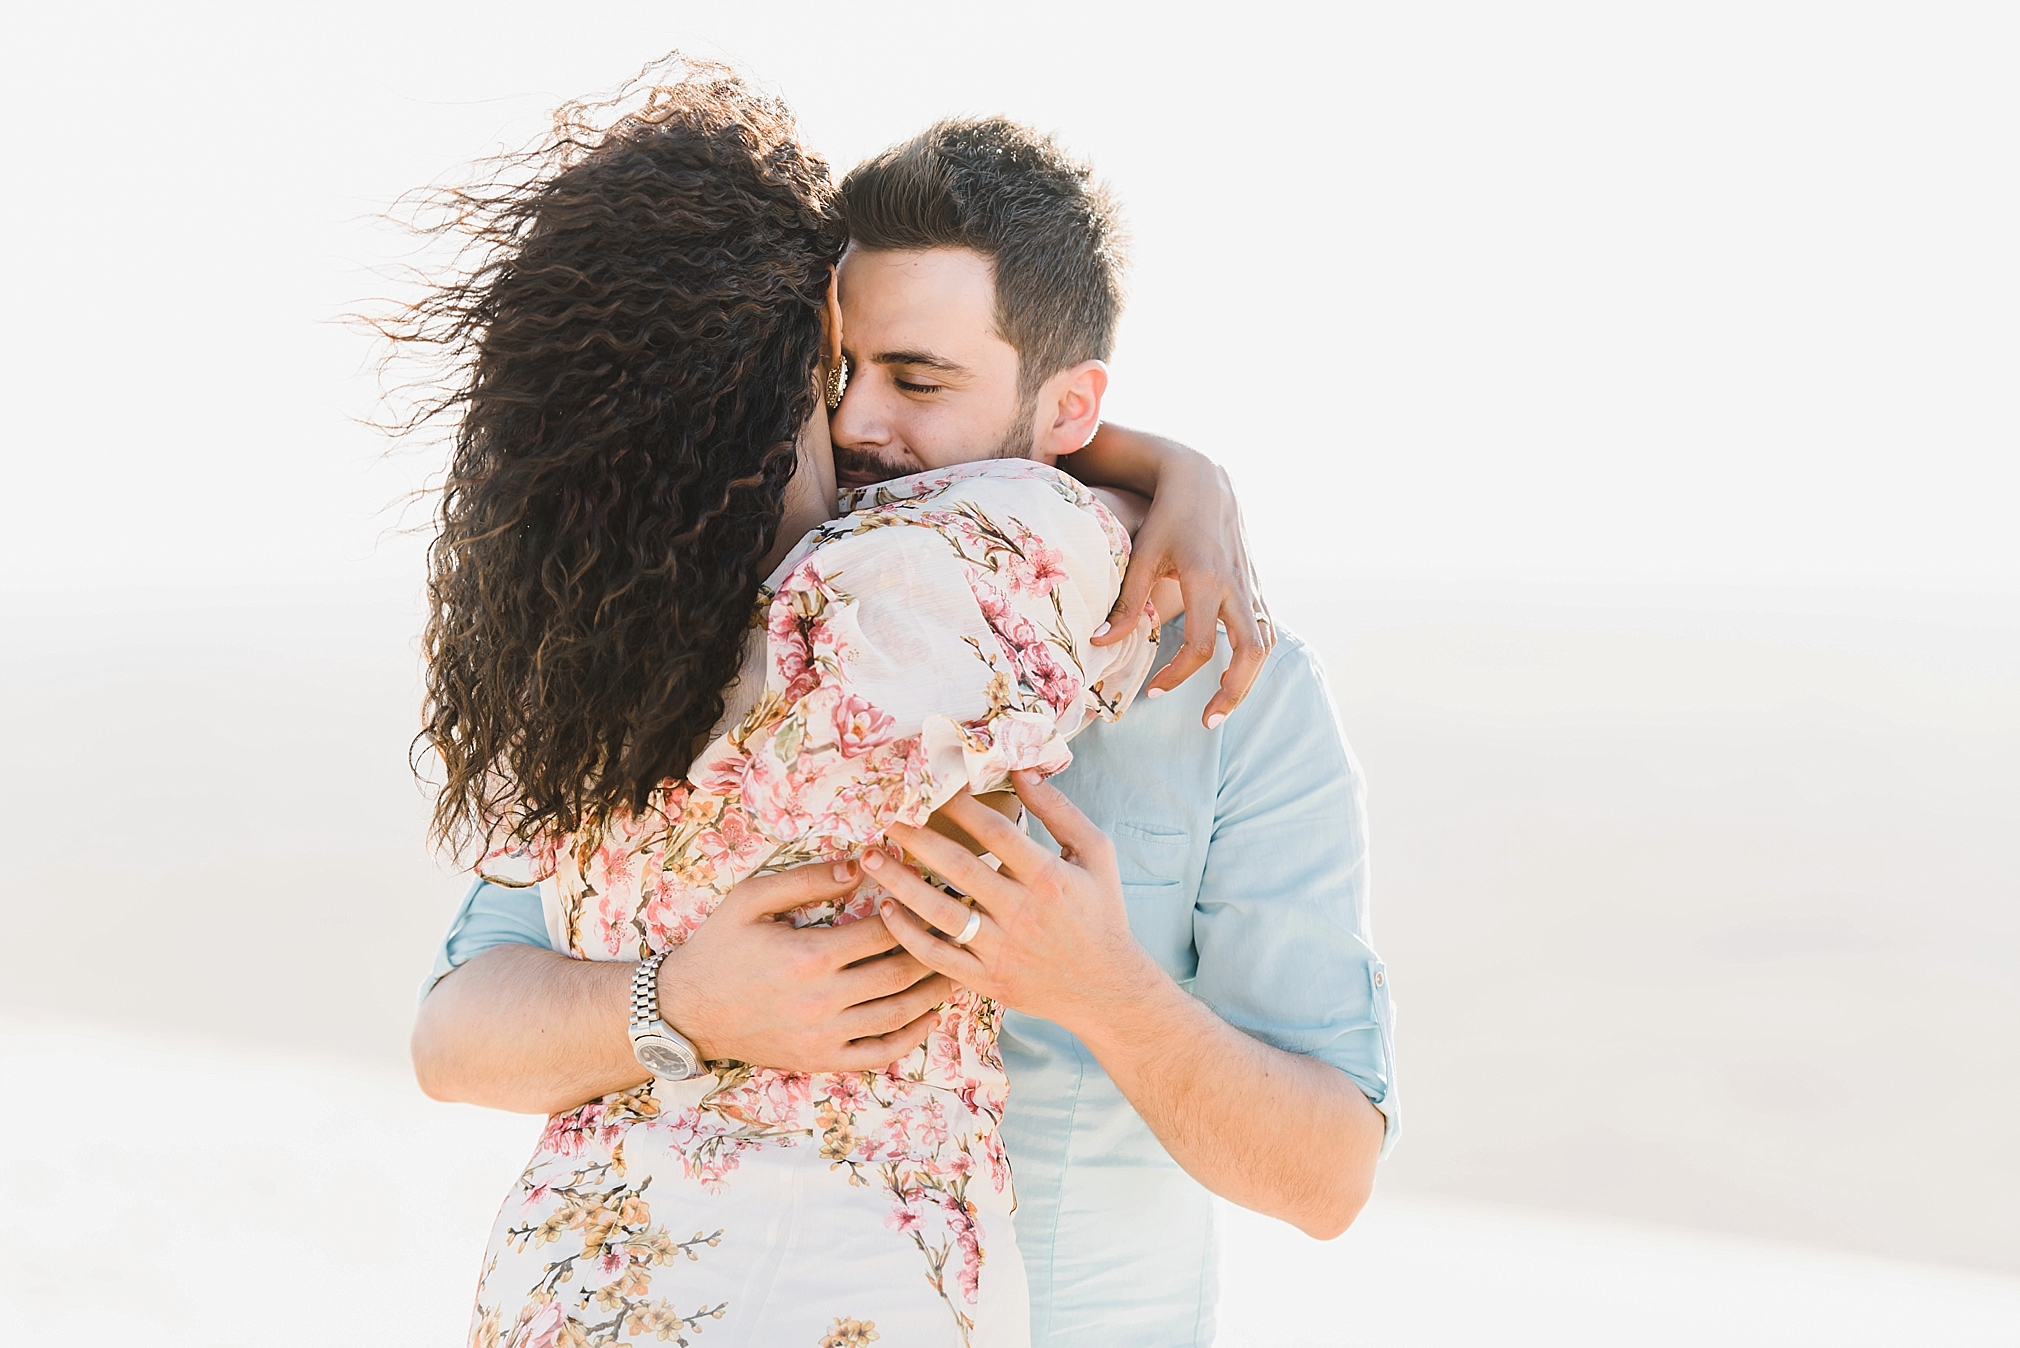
633,340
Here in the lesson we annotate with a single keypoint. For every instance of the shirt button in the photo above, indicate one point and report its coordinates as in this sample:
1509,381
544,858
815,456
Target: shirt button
1380,978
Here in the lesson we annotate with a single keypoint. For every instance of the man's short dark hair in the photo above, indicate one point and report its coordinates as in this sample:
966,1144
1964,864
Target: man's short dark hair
1017,198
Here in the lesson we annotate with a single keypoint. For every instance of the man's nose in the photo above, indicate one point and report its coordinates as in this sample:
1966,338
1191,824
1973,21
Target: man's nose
856,422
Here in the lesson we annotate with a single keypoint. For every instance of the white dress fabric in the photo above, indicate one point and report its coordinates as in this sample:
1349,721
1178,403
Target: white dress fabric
934,638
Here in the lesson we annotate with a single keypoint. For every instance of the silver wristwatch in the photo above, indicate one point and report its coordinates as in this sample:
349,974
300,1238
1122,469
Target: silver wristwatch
661,1048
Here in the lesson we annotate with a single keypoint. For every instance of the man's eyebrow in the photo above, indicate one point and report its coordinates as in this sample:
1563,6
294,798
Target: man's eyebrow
921,358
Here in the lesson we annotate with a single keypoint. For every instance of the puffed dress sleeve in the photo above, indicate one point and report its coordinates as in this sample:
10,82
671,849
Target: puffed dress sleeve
936,638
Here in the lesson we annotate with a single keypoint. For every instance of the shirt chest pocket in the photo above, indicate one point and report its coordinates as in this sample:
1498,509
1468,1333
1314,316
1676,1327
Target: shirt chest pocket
1153,864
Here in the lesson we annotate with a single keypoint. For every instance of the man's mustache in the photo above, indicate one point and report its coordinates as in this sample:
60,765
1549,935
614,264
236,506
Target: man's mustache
857,467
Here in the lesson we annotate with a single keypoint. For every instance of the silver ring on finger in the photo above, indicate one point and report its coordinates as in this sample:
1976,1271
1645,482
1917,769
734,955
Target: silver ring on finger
968,932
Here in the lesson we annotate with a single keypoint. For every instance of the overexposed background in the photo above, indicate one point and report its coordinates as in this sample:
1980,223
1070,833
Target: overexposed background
1624,402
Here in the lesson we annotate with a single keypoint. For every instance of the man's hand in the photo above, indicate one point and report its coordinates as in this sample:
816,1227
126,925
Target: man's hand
748,985
1276,1132
526,1029
1054,939
1194,534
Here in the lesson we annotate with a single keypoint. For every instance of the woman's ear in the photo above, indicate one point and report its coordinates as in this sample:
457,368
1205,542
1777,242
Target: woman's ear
831,318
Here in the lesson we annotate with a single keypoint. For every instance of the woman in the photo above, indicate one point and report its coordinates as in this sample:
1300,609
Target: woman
641,441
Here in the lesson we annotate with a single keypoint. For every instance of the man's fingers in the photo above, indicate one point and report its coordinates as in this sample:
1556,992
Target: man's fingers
944,956
888,1014
947,913
878,977
1006,842
960,867
1071,829
849,943
880,1051
776,893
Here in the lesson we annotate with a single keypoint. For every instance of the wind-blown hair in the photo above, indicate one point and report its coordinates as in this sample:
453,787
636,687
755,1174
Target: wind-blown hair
633,340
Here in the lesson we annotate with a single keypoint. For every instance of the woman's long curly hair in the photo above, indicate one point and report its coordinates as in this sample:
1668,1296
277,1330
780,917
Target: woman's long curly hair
633,342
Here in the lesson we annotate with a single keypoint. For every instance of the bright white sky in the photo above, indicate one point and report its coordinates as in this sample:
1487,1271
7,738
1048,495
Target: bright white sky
1708,292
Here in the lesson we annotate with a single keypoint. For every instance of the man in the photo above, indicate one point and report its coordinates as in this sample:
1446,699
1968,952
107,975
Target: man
1196,1007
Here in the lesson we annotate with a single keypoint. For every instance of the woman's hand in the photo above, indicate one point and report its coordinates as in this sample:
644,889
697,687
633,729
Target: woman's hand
1193,533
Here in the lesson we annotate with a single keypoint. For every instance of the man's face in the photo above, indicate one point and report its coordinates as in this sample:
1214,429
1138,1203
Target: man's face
931,381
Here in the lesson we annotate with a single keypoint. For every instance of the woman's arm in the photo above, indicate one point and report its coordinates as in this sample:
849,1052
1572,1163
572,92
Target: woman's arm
1193,532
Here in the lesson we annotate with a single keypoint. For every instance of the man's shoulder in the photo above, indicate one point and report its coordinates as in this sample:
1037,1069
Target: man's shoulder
1288,717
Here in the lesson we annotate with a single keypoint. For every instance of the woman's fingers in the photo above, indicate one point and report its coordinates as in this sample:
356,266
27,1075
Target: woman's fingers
1127,614
1251,635
1201,640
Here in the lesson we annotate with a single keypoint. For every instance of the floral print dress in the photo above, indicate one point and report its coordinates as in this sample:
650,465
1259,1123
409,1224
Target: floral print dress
935,638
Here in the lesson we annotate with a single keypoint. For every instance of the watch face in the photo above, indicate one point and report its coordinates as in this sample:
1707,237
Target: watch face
663,1060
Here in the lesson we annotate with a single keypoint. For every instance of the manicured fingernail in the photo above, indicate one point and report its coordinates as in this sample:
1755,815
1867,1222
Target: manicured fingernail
886,908
841,871
1102,630
872,860
1213,721
1153,692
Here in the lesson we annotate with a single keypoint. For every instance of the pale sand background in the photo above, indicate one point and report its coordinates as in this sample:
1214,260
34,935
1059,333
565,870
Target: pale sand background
358,1221
1701,913
1700,903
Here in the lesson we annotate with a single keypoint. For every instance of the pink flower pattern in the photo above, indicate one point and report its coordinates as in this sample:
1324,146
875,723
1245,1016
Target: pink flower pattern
815,771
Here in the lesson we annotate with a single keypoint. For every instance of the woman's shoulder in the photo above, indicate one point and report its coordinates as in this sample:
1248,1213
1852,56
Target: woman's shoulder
982,476
1015,496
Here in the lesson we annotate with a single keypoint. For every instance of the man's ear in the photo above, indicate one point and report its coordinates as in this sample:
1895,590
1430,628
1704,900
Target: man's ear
1069,410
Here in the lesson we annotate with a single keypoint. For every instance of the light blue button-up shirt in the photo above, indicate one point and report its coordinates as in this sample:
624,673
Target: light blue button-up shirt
1243,853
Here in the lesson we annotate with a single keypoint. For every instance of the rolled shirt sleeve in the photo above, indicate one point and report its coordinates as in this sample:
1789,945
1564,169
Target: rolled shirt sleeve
1280,922
490,915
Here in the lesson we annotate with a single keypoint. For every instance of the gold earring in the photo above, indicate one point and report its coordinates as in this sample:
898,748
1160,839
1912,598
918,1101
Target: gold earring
838,383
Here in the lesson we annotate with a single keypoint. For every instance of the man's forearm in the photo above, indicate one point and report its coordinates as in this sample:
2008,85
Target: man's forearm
1278,1133
526,1030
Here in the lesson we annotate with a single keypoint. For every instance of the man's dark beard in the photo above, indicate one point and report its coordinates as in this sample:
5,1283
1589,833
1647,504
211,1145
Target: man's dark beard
861,467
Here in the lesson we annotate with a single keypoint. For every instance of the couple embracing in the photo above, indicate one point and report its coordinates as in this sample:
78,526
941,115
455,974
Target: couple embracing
899,958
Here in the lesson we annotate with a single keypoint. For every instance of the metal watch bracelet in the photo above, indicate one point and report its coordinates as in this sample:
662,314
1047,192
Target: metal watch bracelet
660,1048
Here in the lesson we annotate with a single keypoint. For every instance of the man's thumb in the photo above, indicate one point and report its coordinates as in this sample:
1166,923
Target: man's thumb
781,891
